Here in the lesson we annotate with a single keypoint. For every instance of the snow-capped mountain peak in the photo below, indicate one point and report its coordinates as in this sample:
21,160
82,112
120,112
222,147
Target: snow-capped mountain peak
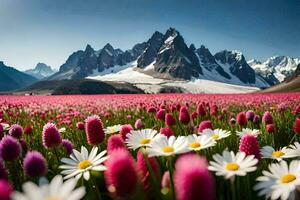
253,62
238,54
278,67
41,71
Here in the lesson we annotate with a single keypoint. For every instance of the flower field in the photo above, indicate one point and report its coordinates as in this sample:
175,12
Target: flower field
164,146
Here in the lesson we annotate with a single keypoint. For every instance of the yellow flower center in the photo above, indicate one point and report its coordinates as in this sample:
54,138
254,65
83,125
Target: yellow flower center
112,188
215,136
145,141
84,164
288,178
53,198
277,154
168,149
114,129
195,145
232,166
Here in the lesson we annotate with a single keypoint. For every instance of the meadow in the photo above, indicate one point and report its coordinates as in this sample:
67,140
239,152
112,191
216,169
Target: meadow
163,146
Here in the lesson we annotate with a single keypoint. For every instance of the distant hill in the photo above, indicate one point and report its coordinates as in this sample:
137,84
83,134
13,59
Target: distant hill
12,79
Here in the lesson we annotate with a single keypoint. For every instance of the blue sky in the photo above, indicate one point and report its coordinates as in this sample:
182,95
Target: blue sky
49,31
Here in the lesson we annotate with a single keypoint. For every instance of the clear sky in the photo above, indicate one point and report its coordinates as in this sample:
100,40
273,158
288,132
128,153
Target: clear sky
33,31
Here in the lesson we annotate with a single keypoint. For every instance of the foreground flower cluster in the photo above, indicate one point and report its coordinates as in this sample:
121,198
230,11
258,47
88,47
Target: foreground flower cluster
179,146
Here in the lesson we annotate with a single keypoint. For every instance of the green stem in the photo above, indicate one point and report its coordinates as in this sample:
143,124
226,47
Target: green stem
96,188
233,190
170,166
293,138
56,154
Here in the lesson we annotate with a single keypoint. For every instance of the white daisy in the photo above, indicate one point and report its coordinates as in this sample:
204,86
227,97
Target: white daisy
5,126
198,142
270,152
168,146
230,165
81,163
62,130
57,189
141,138
280,181
295,149
112,129
249,131
216,134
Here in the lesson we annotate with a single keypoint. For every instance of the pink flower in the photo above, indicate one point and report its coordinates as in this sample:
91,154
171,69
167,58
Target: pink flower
194,115
161,114
115,142
144,171
68,145
151,110
28,130
256,119
94,130
169,120
166,131
35,165
80,125
16,131
138,124
184,116
270,128
121,174
250,146
1,131
192,179
267,118
297,126
51,136
214,110
201,110
241,119
250,115
10,148
5,190
205,125
125,129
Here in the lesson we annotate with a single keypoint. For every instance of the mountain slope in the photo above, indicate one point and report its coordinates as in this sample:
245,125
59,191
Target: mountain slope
237,65
208,62
152,47
149,84
83,86
12,79
176,59
40,71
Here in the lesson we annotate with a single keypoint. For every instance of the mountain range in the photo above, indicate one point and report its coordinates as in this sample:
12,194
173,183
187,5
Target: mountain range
173,59
165,60
275,69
